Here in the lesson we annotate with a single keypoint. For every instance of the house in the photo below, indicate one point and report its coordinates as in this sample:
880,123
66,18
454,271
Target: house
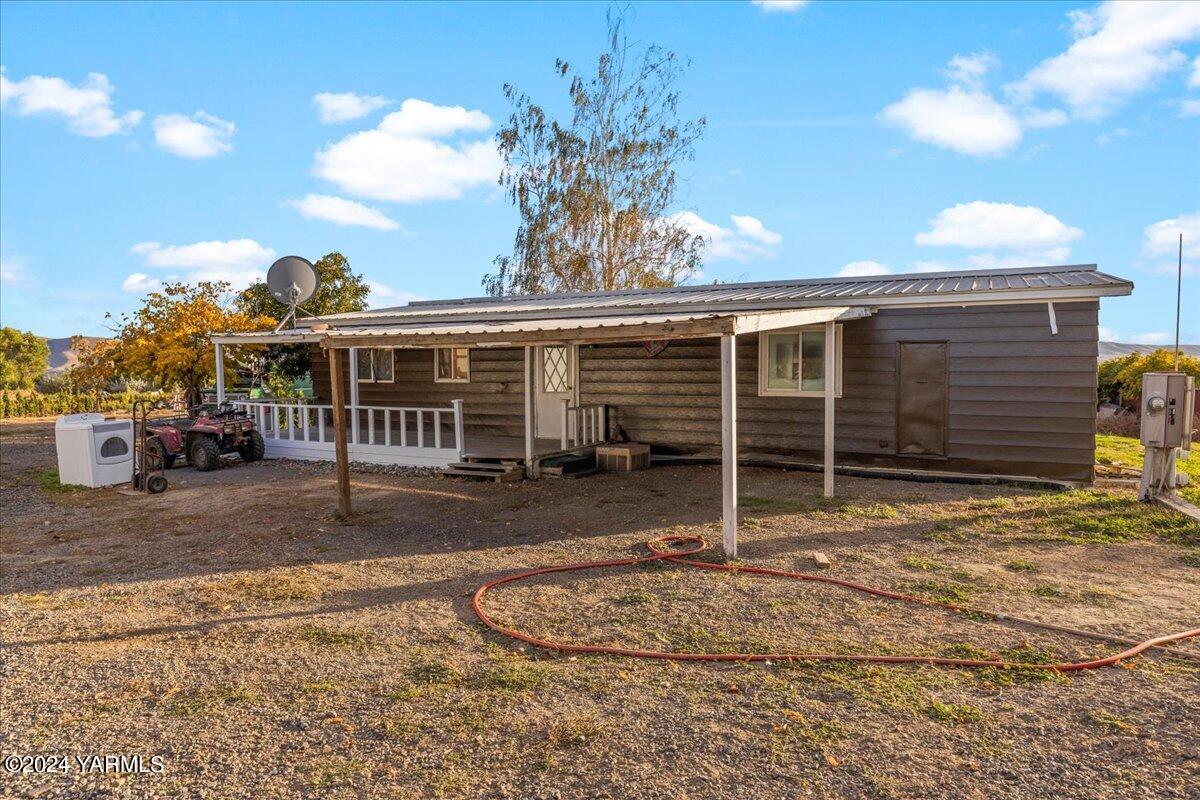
989,372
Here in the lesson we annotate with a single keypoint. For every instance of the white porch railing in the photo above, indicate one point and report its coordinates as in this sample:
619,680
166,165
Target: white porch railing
584,424
427,437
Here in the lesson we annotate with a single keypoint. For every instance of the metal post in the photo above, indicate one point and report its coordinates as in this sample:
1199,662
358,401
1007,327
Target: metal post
729,497
830,388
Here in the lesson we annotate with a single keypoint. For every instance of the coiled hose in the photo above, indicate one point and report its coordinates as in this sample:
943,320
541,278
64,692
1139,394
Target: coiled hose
678,548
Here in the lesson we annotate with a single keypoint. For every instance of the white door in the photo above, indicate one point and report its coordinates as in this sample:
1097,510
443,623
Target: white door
555,382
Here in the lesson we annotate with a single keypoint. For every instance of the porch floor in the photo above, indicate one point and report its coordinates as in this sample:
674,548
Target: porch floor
505,448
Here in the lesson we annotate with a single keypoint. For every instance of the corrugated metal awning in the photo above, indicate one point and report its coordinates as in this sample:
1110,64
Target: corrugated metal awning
632,327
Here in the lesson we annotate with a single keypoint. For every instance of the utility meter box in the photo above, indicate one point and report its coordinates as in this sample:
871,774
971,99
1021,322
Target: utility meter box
1167,409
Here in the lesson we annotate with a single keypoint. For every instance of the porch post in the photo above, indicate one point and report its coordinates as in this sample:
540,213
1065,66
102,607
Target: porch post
830,388
458,428
353,393
529,412
339,431
729,443
565,443
220,373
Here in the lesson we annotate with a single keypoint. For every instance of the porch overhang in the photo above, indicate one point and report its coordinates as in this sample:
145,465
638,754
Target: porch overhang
569,330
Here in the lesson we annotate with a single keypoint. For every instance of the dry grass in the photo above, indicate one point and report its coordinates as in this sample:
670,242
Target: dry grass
274,652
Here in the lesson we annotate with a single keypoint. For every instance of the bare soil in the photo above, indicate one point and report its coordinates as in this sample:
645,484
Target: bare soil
263,649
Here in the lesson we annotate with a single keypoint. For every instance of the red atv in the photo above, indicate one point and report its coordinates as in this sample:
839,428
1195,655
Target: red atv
204,436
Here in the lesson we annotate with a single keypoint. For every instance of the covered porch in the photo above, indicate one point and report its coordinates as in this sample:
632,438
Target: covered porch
346,429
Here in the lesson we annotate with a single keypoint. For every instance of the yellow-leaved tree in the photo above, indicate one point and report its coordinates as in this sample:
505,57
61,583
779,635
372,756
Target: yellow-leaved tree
166,341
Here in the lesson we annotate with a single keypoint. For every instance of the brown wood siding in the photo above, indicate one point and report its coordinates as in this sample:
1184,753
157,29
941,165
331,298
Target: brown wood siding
494,401
1021,400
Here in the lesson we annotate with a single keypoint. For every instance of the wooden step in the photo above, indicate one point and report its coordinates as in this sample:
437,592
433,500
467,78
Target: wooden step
488,472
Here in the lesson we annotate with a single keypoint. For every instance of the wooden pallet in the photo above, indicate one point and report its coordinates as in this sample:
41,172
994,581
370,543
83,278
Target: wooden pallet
484,470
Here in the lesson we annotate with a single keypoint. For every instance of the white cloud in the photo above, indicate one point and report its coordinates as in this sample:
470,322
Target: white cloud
86,108
238,261
422,118
1162,243
1152,338
969,70
1194,78
139,283
1163,237
752,228
1120,49
726,244
383,295
962,119
13,272
199,136
1043,117
402,161
341,211
772,6
857,269
1189,109
981,224
344,106
1156,337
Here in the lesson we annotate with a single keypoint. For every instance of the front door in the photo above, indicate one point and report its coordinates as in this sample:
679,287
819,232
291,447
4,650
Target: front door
555,382
921,399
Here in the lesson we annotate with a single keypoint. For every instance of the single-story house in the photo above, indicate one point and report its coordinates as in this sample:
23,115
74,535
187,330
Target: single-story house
989,372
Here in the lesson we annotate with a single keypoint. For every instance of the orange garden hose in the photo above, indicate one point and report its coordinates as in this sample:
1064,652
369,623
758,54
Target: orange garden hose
661,548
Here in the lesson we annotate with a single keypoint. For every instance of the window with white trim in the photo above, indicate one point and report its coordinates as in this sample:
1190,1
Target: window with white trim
452,364
376,364
791,363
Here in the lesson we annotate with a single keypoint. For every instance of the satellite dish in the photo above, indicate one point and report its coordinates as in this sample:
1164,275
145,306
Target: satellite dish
291,280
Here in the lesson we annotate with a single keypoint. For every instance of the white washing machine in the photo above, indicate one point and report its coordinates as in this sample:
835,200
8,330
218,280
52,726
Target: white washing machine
94,451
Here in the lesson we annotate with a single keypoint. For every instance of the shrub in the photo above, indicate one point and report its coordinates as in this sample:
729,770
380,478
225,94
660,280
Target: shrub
28,403
1122,376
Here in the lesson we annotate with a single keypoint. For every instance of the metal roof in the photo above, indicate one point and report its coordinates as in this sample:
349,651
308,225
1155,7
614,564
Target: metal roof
997,285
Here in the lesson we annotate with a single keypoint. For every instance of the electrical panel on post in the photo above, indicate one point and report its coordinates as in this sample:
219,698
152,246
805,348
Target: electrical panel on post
1167,409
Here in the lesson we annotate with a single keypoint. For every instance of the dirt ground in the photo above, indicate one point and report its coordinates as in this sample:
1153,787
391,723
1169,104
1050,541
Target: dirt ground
232,627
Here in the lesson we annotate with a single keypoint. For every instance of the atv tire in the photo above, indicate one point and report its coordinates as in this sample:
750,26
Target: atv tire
252,447
205,454
157,452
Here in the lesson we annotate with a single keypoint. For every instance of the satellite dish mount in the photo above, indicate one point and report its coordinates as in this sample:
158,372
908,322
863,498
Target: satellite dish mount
292,280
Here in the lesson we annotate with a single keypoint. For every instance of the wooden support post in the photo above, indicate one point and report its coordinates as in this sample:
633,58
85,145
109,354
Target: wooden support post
830,388
220,373
729,499
529,412
341,456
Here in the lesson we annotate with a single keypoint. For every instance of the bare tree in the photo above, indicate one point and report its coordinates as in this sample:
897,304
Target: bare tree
594,193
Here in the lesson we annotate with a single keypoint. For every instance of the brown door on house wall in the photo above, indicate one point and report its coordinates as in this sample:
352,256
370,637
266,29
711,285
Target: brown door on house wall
921,399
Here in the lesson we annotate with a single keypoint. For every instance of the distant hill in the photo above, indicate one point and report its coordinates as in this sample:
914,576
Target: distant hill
1114,349
62,356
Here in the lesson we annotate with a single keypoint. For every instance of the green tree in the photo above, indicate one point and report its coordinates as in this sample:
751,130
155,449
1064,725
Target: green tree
23,358
594,191
1121,377
339,291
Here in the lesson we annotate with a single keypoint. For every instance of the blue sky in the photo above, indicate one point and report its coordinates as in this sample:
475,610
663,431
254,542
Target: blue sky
142,142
